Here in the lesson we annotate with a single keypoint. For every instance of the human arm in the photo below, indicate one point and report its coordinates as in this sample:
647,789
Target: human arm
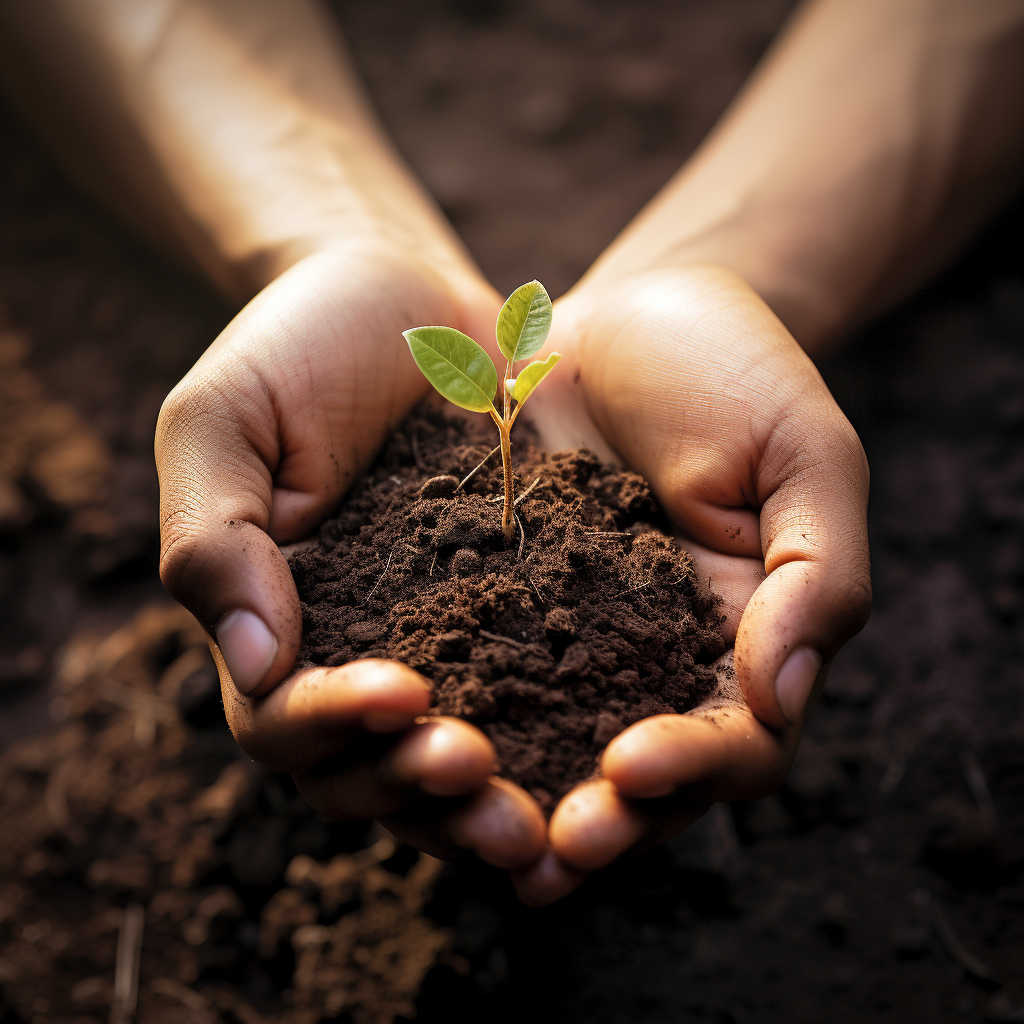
875,137
872,141
234,135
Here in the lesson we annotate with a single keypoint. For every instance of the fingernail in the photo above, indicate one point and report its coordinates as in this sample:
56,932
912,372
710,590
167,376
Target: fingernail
248,647
795,681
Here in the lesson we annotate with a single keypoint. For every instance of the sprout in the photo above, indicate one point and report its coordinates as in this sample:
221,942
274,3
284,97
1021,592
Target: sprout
464,373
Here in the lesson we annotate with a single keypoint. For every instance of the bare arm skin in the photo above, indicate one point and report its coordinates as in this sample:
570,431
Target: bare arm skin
875,136
230,130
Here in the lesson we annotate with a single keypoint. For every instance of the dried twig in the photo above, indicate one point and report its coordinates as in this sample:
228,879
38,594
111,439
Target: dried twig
501,639
607,534
972,964
892,776
633,589
976,780
126,969
382,575
526,492
469,476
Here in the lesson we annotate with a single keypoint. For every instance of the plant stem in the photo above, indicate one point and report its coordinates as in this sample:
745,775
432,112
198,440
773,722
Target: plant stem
507,518
504,424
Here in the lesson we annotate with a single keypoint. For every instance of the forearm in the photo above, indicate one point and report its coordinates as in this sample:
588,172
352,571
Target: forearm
873,139
230,130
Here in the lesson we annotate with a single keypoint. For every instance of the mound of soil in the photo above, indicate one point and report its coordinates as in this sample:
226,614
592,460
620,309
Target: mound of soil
591,619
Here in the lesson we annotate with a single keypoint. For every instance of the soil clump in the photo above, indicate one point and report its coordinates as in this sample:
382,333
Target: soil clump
592,619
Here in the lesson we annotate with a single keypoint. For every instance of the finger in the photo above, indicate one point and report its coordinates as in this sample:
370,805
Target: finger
594,824
546,880
501,824
216,557
729,755
817,593
443,757
318,713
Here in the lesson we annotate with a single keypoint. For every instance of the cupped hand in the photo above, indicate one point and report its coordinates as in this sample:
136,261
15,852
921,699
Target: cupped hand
687,377
254,448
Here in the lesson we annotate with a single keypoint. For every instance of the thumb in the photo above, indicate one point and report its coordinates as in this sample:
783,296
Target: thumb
216,557
817,592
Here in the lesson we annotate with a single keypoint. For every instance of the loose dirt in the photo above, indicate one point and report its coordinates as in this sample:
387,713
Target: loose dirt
542,126
249,902
591,619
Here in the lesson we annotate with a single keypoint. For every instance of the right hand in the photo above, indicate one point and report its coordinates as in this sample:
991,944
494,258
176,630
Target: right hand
254,448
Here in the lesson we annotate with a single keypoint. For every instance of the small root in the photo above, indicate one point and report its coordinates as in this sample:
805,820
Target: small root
522,537
501,639
469,476
382,575
543,603
633,590
433,562
526,492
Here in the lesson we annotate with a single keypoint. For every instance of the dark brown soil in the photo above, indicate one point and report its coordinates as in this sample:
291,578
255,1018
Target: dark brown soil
590,620
853,894
142,798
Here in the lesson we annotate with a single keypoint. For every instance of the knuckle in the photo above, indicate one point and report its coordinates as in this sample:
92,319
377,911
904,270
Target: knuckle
859,597
178,547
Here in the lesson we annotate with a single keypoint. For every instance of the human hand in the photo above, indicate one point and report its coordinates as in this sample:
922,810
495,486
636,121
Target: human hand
688,377
254,448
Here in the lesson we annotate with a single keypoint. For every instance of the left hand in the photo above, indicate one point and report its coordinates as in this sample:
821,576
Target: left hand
687,377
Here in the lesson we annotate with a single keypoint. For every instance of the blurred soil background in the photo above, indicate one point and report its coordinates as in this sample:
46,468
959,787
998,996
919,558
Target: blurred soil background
885,882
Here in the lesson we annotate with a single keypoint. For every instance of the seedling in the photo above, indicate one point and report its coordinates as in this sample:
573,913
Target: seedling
465,374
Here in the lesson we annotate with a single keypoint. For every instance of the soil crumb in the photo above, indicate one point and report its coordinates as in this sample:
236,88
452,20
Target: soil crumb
591,619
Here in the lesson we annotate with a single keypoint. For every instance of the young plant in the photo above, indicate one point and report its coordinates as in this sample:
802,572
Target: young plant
464,373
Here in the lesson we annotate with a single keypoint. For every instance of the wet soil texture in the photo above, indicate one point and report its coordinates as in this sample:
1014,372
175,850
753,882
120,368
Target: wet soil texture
587,621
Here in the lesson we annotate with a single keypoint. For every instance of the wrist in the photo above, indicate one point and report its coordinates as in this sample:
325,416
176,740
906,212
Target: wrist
799,289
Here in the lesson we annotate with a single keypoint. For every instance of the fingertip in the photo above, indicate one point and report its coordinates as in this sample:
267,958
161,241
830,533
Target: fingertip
248,648
545,881
444,757
638,761
794,683
385,695
502,824
592,825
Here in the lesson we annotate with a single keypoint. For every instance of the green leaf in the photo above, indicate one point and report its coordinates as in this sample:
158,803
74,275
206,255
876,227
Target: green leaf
456,365
524,322
532,374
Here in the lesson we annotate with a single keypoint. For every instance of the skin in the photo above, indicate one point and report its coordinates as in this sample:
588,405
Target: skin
824,193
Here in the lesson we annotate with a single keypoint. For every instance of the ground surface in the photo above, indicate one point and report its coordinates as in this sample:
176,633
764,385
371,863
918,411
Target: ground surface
891,863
